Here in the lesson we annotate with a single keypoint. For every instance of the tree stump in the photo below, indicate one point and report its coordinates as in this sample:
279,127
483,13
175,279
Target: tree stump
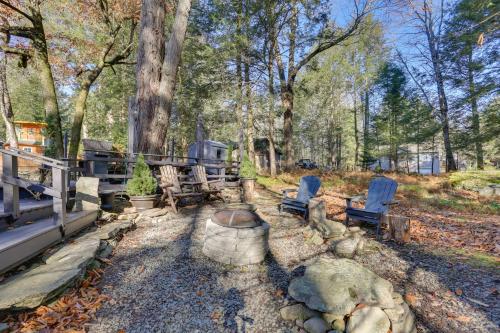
248,187
398,228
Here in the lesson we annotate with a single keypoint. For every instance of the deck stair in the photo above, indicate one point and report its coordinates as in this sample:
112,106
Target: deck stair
28,227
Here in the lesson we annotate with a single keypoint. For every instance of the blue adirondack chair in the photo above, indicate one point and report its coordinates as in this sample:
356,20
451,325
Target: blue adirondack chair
308,188
381,193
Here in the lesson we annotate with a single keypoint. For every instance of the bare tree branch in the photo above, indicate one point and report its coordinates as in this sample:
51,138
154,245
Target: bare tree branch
17,10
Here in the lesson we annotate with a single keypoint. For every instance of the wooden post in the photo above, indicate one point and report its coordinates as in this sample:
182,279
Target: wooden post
59,204
200,144
398,228
10,192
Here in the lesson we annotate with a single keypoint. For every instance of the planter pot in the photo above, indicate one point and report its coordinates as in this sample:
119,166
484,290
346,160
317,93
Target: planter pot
248,187
144,202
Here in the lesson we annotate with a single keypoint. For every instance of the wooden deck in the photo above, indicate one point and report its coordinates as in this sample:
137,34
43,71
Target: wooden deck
24,242
29,226
30,209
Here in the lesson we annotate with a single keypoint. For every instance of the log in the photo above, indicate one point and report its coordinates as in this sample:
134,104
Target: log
398,228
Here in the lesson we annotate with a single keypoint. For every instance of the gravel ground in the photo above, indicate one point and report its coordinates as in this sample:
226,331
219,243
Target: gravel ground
160,281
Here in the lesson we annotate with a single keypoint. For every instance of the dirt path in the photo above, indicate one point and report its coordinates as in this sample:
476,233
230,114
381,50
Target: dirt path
160,281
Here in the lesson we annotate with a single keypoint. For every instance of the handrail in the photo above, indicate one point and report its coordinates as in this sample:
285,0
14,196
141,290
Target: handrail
35,157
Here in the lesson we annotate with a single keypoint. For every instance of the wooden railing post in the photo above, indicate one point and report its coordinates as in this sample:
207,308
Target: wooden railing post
10,191
59,204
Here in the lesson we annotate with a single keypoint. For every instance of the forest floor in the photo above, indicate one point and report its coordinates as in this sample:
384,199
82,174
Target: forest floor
158,279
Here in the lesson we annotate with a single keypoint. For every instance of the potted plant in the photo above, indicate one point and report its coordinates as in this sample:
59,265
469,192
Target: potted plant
142,187
248,175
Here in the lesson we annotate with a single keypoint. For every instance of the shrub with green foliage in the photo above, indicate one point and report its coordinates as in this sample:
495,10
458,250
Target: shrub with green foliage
230,149
142,182
247,169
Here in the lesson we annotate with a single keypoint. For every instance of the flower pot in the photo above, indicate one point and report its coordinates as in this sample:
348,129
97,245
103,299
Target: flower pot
248,187
143,202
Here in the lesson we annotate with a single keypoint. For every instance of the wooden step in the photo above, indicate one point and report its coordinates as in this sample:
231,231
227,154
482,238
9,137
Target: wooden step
22,243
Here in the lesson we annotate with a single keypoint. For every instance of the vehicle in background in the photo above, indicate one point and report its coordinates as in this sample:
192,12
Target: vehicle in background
306,163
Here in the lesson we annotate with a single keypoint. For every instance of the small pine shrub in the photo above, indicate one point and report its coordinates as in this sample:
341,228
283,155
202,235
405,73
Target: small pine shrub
247,169
142,182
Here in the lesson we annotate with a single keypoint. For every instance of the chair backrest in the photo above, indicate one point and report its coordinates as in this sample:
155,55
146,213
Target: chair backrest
308,188
200,175
169,175
381,189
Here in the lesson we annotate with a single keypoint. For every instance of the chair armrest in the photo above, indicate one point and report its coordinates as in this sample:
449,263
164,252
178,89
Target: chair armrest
166,184
285,192
355,198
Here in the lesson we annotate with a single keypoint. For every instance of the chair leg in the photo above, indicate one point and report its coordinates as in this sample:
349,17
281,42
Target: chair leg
346,220
173,203
378,230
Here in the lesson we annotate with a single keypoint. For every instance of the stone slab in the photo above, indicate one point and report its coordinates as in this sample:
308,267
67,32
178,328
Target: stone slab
38,285
87,194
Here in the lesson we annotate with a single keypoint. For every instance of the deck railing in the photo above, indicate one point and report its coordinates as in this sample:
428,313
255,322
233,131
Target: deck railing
12,182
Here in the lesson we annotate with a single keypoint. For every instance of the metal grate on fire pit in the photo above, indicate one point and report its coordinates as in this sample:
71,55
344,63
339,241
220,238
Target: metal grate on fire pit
237,218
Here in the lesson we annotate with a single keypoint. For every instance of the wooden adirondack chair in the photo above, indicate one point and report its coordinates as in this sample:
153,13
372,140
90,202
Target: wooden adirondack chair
381,193
208,187
308,188
173,189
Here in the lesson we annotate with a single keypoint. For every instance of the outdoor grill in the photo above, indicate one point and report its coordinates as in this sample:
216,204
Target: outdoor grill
237,237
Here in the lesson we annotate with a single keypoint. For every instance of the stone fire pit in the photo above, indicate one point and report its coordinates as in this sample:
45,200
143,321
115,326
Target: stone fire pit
237,237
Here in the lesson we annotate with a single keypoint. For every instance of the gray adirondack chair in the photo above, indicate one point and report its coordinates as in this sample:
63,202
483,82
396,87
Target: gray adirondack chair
381,193
308,188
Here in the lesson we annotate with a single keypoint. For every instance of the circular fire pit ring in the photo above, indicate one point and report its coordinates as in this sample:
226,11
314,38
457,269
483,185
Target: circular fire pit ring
237,237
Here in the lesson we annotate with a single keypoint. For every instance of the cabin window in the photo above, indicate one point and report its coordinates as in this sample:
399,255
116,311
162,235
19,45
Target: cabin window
27,149
219,154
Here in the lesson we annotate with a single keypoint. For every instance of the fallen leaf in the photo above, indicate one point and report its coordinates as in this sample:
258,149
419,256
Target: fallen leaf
279,293
121,331
410,299
199,293
458,292
216,315
463,319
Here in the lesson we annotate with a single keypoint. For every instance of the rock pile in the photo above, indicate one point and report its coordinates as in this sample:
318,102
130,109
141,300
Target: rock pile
340,295
345,242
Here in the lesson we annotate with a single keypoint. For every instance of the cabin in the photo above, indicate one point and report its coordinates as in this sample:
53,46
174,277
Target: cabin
31,139
262,155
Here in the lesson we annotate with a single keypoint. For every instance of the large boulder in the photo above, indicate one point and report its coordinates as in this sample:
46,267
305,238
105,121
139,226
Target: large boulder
336,286
369,319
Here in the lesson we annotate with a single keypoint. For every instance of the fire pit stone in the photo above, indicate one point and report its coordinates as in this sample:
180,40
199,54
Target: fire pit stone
237,237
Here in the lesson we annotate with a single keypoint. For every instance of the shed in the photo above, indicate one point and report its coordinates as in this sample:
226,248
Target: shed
213,151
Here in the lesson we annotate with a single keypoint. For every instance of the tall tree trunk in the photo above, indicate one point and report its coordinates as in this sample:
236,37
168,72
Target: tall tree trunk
150,54
51,106
287,92
248,87
356,136
80,106
366,128
5,105
271,115
476,129
433,43
239,91
250,118
270,87
171,61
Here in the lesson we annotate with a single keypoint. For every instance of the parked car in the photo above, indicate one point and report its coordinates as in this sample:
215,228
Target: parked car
306,163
